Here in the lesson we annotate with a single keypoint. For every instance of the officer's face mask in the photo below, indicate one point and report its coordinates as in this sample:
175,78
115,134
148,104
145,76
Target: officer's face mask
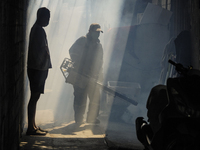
95,34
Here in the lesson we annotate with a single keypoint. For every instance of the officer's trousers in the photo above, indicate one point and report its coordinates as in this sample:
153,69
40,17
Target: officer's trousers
92,91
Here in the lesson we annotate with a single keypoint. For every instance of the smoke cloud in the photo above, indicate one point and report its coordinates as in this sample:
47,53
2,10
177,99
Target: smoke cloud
132,55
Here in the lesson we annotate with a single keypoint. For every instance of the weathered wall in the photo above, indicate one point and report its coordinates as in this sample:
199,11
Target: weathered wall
194,12
186,16
12,29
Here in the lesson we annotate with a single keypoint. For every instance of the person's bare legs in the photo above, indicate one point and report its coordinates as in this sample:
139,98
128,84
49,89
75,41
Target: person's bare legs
32,110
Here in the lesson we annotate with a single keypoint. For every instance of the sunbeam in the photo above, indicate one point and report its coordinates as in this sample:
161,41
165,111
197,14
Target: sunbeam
132,50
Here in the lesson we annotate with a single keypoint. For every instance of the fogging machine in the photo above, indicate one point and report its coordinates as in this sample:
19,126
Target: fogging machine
75,78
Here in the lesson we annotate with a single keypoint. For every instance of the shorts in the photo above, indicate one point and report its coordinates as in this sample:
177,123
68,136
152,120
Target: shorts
37,79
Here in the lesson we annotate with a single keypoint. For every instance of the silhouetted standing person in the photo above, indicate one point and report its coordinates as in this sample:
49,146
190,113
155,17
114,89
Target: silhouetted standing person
87,55
38,65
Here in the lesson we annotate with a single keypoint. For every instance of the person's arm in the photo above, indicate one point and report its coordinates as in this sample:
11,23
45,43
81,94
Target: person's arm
76,50
101,78
42,51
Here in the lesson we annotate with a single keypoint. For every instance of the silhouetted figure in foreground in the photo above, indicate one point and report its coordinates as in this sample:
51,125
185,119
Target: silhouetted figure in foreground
87,55
37,67
156,102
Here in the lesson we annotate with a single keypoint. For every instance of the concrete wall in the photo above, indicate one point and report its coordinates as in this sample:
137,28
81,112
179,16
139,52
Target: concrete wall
12,29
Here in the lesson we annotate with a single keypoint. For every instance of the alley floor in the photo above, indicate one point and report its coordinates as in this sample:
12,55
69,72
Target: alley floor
67,137
70,137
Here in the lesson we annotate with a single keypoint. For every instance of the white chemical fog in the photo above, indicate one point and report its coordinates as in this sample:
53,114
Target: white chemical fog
133,43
